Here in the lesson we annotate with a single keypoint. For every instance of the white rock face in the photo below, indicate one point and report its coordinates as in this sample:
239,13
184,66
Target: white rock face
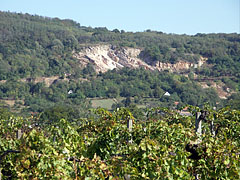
108,57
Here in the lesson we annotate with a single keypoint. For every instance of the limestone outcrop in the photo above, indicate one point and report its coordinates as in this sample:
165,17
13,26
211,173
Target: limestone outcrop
108,57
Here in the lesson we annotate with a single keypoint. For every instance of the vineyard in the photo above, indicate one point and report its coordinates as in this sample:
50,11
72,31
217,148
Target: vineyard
162,144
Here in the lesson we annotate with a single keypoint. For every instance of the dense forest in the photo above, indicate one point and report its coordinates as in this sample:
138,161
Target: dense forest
33,46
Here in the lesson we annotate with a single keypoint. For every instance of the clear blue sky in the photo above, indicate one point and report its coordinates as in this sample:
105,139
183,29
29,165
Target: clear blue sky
170,16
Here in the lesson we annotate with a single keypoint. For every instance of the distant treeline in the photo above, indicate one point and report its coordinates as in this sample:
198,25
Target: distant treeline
34,46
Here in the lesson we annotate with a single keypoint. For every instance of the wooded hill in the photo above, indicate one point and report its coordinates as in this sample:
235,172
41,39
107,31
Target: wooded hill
33,48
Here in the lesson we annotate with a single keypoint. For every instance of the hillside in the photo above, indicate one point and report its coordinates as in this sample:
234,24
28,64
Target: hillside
47,62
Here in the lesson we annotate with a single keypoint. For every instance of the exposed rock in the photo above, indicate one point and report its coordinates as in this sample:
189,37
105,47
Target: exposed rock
47,80
173,67
107,57
179,66
3,81
222,92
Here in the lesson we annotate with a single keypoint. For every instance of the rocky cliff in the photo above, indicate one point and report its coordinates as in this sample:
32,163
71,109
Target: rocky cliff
108,57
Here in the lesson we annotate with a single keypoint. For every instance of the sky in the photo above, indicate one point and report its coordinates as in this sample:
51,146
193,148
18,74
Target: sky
169,16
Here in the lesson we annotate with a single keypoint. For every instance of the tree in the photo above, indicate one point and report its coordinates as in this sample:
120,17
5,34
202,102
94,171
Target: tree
158,92
127,101
89,70
115,31
54,114
113,92
57,46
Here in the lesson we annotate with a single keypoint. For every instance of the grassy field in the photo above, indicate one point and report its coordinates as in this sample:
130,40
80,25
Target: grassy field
103,103
108,102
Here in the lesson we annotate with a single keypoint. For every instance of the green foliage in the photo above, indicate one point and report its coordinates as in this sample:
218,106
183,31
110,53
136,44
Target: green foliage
234,101
32,46
5,113
144,84
30,38
130,83
101,147
52,115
